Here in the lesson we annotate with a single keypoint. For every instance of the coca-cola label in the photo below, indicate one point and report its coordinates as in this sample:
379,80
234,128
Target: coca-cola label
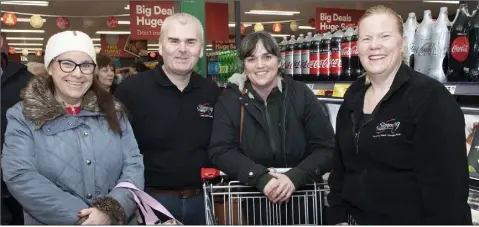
346,51
289,62
425,50
313,64
304,62
297,62
335,64
460,48
354,48
325,63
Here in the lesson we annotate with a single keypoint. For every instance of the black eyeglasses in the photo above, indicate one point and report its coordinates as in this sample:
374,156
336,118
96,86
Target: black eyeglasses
68,66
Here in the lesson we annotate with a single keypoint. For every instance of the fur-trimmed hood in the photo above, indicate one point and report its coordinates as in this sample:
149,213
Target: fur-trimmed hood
40,105
240,79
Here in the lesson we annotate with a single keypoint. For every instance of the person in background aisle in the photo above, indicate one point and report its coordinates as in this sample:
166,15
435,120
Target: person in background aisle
400,145
106,72
283,125
14,77
36,68
140,67
68,143
171,109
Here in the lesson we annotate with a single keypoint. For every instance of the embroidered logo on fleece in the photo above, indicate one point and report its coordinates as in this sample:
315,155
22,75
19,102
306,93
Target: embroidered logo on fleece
205,110
388,128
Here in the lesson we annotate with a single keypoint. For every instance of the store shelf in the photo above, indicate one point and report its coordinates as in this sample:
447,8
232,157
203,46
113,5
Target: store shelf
337,89
471,89
320,88
465,109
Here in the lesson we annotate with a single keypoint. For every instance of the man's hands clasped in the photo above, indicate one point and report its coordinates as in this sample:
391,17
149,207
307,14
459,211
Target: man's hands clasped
279,189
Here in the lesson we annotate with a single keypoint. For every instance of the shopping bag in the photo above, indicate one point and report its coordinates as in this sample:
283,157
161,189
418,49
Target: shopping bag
147,204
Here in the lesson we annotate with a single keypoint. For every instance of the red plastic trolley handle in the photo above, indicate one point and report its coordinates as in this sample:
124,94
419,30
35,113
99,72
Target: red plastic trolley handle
212,173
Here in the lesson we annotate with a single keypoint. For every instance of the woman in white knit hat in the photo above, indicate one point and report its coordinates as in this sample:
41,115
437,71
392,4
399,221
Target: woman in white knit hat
68,143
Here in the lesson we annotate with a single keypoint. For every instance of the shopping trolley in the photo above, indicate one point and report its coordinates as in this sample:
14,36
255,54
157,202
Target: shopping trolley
233,203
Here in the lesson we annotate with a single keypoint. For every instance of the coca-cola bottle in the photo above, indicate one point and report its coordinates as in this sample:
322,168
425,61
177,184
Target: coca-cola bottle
335,60
440,45
325,57
305,56
422,44
282,48
314,58
289,56
297,58
409,32
356,65
473,56
346,71
459,46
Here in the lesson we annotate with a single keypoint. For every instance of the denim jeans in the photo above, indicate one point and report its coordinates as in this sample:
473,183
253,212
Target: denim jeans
189,211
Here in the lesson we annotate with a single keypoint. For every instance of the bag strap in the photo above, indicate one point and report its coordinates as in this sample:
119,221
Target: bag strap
243,92
146,203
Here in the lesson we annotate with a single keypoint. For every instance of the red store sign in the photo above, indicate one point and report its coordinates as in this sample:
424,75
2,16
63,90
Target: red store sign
146,18
334,19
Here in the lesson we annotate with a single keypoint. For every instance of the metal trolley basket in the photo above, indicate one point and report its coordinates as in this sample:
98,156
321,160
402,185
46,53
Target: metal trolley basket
233,203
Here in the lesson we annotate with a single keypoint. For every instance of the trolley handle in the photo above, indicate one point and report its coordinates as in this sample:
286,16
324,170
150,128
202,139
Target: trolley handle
212,173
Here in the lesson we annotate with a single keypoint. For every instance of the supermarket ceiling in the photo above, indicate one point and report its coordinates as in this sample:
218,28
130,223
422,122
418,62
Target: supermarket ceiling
86,15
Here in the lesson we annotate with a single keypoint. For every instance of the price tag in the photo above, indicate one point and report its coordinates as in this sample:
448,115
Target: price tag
451,88
311,86
340,89
321,92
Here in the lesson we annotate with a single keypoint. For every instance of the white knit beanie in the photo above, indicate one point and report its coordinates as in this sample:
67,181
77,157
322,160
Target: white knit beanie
68,41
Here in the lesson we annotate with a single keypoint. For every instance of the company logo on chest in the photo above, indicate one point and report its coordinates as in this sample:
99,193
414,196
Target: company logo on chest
389,128
205,110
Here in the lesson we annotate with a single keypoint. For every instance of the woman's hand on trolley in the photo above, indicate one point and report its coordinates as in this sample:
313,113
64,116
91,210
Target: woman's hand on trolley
283,191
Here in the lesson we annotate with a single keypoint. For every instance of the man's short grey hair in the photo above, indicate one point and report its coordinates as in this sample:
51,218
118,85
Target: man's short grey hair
182,18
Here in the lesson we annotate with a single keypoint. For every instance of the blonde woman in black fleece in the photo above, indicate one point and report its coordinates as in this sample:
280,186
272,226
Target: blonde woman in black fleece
400,146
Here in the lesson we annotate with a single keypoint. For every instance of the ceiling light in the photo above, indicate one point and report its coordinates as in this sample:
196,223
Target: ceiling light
445,2
208,49
209,45
112,32
127,7
307,28
28,48
26,20
152,50
153,45
25,44
22,31
124,22
95,39
96,44
280,35
231,25
25,3
272,12
23,38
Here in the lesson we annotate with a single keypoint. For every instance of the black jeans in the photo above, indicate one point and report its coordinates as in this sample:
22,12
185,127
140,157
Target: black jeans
12,212
189,211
